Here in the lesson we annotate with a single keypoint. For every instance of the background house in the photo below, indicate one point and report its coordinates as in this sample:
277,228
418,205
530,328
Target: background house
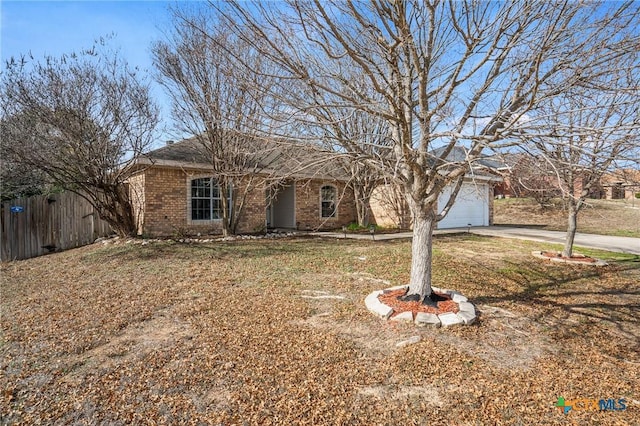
621,184
526,176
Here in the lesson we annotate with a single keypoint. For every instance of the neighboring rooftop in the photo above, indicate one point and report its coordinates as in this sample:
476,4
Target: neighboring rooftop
459,154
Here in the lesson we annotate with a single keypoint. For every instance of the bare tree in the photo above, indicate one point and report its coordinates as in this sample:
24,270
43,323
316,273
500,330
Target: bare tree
225,104
80,119
337,128
586,133
534,177
17,179
446,73
363,181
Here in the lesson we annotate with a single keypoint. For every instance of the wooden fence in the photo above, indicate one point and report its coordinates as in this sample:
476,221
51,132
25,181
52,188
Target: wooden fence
42,224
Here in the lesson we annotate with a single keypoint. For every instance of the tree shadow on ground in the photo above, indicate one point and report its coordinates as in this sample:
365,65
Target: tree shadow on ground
575,295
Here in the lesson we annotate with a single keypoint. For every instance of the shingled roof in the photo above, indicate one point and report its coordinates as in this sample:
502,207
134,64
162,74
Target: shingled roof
459,155
284,158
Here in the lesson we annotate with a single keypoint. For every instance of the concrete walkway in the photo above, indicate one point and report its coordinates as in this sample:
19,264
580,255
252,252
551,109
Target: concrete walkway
602,242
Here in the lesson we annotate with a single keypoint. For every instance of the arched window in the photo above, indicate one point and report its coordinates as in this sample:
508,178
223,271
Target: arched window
328,201
206,202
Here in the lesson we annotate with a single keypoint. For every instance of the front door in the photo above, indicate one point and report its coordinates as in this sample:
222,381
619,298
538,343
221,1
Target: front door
281,211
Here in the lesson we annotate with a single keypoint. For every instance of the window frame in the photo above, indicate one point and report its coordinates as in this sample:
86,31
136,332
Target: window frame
213,200
334,214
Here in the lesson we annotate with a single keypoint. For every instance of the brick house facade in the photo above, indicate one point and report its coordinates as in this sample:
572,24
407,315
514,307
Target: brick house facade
161,194
299,187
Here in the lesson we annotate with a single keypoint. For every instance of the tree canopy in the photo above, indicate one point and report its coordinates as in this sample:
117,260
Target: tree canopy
81,120
442,74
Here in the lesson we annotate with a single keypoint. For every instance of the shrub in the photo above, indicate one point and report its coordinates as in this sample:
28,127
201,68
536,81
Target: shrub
354,227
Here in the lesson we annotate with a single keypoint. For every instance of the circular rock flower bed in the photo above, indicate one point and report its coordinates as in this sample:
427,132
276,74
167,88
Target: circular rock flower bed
579,259
451,309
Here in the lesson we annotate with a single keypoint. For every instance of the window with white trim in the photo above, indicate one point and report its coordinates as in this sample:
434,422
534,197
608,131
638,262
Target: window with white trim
328,201
206,201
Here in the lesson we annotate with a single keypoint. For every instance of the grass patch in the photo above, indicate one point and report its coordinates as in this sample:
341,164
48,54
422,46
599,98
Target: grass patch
605,217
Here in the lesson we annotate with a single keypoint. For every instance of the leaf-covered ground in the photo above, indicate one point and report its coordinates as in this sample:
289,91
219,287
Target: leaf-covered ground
250,333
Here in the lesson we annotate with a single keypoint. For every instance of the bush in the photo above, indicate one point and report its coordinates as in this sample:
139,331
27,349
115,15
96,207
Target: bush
354,227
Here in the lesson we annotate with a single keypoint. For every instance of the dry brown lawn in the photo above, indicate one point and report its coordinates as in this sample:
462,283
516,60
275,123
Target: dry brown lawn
234,333
606,217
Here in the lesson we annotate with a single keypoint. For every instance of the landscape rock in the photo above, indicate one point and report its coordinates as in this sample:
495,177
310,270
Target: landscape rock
458,298
467,317
424,319
449,319
467,307
403,316
410,341
373,305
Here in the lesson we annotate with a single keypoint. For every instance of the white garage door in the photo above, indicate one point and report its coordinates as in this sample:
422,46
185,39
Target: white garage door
471,206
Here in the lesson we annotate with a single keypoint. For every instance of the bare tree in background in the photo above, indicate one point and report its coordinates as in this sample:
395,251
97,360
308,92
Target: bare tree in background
441,74
588,132
223,103
81,120
534,177
338,129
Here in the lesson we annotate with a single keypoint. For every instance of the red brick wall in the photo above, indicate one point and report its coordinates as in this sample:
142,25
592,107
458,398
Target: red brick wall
308,214
163,205
254,216
165,210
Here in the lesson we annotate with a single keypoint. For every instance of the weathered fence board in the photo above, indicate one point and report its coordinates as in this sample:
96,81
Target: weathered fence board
39,225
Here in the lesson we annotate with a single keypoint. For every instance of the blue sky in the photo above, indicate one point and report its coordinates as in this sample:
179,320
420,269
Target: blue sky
57,27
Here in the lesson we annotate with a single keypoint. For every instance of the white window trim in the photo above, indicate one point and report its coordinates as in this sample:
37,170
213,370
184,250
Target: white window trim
191,221
335,188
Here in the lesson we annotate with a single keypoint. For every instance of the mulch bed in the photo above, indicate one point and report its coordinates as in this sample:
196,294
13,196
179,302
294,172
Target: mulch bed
390,298
573,258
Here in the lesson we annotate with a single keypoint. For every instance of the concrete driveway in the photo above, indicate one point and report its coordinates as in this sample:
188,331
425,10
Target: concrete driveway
602,242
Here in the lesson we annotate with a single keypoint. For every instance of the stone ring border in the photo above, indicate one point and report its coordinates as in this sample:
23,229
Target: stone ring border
466,314
539,255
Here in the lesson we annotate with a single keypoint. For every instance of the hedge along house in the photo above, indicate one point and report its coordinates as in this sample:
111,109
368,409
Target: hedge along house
287,187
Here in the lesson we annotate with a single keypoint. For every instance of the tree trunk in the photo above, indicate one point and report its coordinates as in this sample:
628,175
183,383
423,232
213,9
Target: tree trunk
227,219
572,225
114,207
123,230
362,207
421,252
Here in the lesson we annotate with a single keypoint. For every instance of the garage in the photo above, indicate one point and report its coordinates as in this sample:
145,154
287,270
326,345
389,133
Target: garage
470,208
